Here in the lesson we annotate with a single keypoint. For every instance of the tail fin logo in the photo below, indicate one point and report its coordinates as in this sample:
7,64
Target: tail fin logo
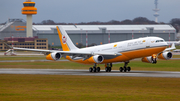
64,39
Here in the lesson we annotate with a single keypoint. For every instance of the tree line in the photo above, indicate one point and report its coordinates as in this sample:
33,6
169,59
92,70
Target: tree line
175,22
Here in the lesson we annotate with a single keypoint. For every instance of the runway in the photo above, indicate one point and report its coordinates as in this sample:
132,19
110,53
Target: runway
87,73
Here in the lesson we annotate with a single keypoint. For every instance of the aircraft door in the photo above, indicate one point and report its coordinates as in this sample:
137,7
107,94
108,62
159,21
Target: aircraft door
148,43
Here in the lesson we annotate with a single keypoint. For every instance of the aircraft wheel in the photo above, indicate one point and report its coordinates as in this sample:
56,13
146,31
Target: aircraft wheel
109,69
106,69
90,69
154,61
125,69
121,69
98,69
129,69
94,69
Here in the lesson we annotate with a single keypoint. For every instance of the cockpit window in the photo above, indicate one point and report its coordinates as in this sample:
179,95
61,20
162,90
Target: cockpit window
159,40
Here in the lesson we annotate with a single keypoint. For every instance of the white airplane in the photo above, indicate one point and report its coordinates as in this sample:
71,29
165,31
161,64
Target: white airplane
147,48
173,42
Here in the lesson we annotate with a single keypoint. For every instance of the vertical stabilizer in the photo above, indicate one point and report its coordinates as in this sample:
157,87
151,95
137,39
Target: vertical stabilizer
66,43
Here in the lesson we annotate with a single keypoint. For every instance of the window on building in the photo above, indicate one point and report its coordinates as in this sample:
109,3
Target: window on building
38,41
43,43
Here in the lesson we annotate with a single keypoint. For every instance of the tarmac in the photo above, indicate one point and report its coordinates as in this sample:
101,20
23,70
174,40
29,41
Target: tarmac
163,74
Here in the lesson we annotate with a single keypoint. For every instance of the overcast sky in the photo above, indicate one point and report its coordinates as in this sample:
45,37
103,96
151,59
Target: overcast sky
76,11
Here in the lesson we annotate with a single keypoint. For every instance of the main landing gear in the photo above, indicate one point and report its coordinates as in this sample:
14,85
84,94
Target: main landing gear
125,69
94,69
108,68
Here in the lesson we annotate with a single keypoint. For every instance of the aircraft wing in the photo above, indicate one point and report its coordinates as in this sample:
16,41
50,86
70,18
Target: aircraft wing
70,53
171,48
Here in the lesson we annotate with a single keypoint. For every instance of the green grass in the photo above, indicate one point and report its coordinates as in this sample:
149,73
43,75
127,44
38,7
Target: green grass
177,47
176,56
3,58
87,88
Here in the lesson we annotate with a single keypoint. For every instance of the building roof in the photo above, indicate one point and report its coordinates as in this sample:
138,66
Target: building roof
95,28
50,28
9,22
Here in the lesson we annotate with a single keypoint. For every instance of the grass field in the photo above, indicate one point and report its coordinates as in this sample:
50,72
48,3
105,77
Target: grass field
3,58
88,88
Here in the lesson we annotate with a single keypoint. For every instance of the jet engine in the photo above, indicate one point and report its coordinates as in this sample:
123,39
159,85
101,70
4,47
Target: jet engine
96,59
53,56
147,59
165,55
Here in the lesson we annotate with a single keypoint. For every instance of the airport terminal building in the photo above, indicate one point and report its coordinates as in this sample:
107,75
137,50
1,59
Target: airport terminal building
88,34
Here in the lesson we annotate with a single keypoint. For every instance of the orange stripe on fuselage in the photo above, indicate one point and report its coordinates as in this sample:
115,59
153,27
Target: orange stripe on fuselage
126,56
64,45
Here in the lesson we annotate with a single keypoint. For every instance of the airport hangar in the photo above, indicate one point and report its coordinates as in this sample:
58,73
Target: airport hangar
97,34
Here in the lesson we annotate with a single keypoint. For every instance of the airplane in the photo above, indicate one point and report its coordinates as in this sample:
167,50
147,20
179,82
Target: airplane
147,48
173,42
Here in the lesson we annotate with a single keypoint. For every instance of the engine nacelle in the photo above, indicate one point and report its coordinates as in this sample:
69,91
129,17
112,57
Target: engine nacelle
53,56
96,59
147,59
165,55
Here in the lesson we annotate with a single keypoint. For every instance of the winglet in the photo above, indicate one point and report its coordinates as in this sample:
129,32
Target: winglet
171,48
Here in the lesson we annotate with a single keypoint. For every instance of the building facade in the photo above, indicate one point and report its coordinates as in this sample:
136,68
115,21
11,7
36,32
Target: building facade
102,34
88,34
33,43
